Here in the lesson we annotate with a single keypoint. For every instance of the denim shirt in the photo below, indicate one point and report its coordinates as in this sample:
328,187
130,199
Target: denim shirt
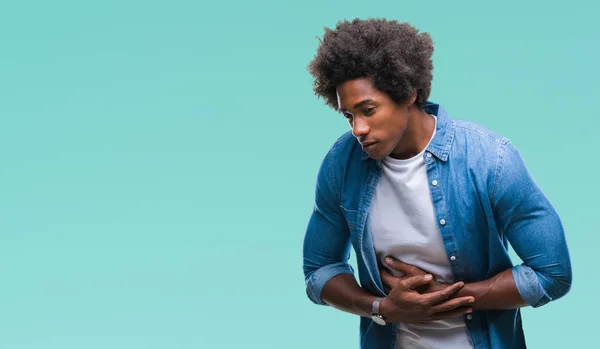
485,198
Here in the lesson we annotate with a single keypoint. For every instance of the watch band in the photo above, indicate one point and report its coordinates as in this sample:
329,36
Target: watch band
375,316
375,308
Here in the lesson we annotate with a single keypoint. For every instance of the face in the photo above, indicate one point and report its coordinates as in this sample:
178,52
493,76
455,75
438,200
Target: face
377,122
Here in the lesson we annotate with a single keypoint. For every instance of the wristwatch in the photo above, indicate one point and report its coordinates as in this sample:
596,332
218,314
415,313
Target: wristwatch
375,316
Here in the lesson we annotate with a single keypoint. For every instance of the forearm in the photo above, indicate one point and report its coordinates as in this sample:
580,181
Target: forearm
497,293
343,292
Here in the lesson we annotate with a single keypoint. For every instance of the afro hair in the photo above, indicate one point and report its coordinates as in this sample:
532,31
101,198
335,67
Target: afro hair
394,55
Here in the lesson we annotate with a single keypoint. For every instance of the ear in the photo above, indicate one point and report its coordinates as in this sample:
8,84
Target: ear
411,100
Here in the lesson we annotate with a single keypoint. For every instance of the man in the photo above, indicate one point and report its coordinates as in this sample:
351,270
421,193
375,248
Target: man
429,203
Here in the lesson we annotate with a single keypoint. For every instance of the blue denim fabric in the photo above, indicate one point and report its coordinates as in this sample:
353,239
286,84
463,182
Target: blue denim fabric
485,198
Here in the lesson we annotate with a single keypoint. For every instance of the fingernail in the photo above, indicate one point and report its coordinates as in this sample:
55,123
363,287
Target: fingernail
388,260
471,301
469,311
428,277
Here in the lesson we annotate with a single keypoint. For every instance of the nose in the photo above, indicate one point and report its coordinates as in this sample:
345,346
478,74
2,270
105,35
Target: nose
359,127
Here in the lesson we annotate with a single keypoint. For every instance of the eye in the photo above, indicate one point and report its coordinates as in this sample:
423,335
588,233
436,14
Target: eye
369,111
347,116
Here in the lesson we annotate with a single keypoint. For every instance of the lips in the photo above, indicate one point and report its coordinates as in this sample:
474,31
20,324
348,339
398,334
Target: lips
368,145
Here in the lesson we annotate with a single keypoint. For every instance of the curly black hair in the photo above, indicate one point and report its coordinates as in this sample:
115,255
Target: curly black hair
394,55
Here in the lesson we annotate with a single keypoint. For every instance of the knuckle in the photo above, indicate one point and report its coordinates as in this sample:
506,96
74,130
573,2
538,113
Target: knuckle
441,296
447,290
424,302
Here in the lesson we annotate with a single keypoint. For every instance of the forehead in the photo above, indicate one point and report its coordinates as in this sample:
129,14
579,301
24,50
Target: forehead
352,92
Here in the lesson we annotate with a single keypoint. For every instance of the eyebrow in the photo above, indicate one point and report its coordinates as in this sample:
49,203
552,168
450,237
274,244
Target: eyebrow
359,104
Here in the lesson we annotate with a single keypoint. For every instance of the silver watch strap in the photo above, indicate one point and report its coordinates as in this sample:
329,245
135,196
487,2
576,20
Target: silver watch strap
375,308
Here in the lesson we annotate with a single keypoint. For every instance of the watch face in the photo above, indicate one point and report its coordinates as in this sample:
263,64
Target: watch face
378,319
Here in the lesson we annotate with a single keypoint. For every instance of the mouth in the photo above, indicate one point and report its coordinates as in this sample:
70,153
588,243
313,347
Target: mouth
368,146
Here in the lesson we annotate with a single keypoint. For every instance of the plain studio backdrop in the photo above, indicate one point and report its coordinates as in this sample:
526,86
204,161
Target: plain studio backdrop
158,161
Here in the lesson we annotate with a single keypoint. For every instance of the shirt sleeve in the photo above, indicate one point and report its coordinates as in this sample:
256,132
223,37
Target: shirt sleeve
326,248
526,217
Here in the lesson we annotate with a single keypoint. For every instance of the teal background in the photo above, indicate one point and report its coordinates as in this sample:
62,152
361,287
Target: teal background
158,161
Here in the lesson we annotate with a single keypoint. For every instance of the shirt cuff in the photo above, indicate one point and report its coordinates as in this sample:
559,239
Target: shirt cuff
317,280
529,286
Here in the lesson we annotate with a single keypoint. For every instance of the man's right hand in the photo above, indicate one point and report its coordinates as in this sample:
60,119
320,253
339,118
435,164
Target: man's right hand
405,304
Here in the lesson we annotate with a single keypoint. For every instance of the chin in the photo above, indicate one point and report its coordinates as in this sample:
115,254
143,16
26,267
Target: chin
377,156
379,151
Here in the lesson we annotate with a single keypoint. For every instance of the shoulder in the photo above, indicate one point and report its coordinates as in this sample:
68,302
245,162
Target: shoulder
480,149
477,142
472,131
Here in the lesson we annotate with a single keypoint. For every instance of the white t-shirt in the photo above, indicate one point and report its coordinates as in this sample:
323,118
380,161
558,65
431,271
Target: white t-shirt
403,225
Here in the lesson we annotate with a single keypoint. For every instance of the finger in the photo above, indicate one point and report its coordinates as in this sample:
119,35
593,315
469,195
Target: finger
452,313
412,282
388,279
453,304
402,267
438,296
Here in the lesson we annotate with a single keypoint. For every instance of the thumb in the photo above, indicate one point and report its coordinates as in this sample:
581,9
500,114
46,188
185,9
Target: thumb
412,282
402,267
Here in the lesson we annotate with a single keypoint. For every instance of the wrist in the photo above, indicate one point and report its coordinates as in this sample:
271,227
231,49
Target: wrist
364,305
384,307
376,313
475,290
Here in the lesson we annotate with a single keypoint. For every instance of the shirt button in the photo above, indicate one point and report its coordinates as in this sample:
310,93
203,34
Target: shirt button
469,317
434,182
428,154
453,258
442,221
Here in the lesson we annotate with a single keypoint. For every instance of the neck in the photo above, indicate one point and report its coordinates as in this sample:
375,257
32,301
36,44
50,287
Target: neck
417,135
